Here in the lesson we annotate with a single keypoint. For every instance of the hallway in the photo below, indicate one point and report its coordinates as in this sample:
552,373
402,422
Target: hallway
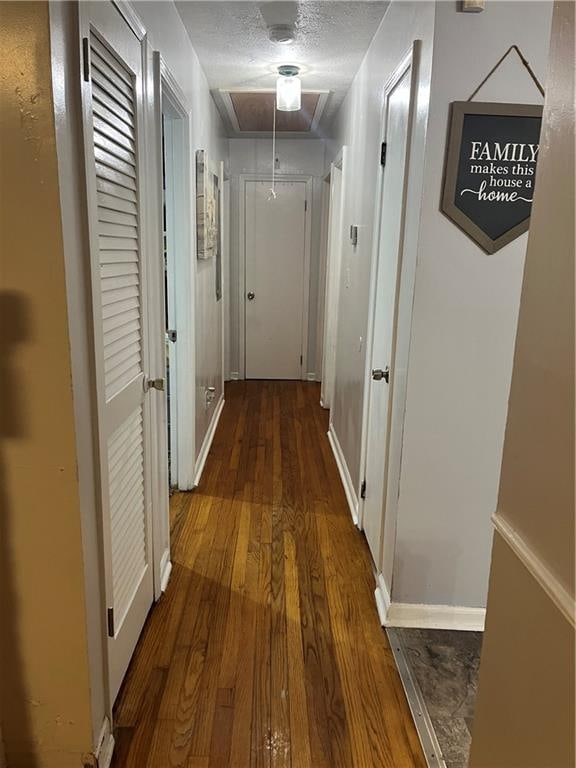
266,649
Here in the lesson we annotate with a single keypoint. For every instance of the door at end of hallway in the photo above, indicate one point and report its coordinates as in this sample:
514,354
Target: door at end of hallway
275,305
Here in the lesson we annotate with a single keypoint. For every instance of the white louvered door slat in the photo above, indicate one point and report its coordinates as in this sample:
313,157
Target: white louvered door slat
112,97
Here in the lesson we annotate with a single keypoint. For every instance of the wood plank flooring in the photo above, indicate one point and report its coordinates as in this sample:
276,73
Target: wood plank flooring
266,649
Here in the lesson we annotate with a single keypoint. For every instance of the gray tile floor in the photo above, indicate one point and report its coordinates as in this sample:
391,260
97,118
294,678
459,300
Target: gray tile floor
445,665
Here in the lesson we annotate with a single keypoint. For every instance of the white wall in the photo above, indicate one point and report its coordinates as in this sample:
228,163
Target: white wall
296,156
358,126
465,303
463,331
167,33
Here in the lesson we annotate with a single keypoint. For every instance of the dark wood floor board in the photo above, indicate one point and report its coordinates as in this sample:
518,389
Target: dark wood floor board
260,741
153,640
179,502
219,756
266,649
139,747
189,702
240,750
217,595
313,569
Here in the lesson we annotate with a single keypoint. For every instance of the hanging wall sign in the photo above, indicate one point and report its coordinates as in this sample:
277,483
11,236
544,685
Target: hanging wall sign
491,169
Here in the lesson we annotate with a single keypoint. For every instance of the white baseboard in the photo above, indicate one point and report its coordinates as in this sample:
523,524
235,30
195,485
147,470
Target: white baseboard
165,571
419,616
105,748
382,597
311,377
207,444
351,496
234,376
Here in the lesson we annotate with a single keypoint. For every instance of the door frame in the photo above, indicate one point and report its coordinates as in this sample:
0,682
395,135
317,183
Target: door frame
168,91
309,181
409,62
332,287
322,267
226,194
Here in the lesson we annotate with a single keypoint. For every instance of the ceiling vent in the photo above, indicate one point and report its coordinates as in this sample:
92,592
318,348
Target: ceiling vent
250,113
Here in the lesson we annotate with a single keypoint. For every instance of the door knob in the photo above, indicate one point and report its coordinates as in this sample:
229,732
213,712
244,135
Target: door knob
250,296
378,374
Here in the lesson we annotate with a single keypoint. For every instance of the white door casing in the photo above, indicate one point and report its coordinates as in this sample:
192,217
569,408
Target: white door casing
112,100
332,288
170,235
172,108
386,285
226,197
275,279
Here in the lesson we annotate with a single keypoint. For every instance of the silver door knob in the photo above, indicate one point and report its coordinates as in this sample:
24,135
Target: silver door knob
378,374
250,296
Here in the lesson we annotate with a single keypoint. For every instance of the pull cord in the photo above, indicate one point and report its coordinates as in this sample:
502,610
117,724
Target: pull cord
273,188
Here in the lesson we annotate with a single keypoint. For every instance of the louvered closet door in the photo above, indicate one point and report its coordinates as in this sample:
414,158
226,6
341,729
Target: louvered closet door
113,110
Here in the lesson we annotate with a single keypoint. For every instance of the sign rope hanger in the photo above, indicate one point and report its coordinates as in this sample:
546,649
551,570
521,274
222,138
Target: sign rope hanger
490,169
495,67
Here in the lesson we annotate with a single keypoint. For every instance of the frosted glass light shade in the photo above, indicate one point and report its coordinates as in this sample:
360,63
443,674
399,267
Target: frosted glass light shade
288,94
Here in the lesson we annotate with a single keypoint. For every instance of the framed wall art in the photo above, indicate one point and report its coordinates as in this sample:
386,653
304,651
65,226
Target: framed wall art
207,208
490,170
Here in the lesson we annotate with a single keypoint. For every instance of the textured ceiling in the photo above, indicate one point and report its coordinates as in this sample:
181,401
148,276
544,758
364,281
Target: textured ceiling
332,36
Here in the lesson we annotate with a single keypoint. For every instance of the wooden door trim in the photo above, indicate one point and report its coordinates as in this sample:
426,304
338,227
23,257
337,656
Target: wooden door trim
248,177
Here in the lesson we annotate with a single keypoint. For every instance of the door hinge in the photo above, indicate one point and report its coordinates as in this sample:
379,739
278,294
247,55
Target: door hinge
172,335
363,490
111,631
383,153
305,205
154,384
378,374
86,59
301,360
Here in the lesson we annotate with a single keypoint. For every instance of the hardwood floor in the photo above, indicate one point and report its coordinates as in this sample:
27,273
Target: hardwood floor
266,649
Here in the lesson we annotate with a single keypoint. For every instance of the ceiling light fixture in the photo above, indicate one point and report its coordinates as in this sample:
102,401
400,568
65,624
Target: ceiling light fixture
281,33
288,89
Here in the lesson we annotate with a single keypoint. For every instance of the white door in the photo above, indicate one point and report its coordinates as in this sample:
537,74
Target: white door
275,266
113,122
332,285
397,114
226,275
171,133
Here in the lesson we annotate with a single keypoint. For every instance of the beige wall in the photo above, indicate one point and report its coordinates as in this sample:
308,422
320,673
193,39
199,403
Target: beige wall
43,664
525,712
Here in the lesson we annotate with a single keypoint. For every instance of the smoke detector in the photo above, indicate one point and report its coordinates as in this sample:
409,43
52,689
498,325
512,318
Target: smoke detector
283,34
